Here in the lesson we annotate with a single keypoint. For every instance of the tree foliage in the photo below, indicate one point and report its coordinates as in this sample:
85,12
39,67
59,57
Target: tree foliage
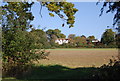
12,15
54,34
112,7
14,35
17,43
40,38
16,21
80,41
108,37
91,38
62,7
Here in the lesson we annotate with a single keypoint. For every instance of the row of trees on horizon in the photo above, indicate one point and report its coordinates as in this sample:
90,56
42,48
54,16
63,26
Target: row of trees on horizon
46,39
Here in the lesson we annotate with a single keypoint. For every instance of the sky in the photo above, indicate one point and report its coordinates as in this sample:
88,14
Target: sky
87,20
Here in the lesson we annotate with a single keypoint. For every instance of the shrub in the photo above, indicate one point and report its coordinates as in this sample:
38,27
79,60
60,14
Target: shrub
19,51
110,71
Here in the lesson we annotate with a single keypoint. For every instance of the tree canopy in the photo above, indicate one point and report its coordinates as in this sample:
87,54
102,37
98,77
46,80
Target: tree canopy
108,37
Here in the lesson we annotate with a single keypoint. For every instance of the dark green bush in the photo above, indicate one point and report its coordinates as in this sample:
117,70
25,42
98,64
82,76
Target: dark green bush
19,51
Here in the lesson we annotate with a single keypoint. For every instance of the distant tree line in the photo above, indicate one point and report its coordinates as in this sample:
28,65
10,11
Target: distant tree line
46,39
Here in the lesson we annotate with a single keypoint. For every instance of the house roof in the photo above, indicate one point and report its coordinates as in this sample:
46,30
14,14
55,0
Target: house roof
61,39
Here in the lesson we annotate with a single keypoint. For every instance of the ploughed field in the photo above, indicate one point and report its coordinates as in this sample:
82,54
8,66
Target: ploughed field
79,57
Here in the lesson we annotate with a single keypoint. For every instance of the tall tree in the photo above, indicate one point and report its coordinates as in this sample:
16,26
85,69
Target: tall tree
108,37
14,33
17,45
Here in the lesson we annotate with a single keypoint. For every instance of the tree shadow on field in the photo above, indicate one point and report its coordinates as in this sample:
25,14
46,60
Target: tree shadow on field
57,72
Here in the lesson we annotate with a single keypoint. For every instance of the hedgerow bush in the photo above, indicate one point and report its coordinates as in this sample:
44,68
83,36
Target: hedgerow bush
19,51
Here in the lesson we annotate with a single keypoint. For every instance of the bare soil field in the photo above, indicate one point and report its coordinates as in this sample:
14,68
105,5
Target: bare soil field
79,57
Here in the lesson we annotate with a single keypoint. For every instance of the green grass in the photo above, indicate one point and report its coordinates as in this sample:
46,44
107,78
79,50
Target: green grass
55,72
84,49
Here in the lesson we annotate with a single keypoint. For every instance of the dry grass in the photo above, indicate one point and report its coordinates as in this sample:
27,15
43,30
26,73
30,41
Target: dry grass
79,57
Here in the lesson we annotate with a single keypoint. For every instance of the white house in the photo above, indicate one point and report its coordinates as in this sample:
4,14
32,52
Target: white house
61,40
95,40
